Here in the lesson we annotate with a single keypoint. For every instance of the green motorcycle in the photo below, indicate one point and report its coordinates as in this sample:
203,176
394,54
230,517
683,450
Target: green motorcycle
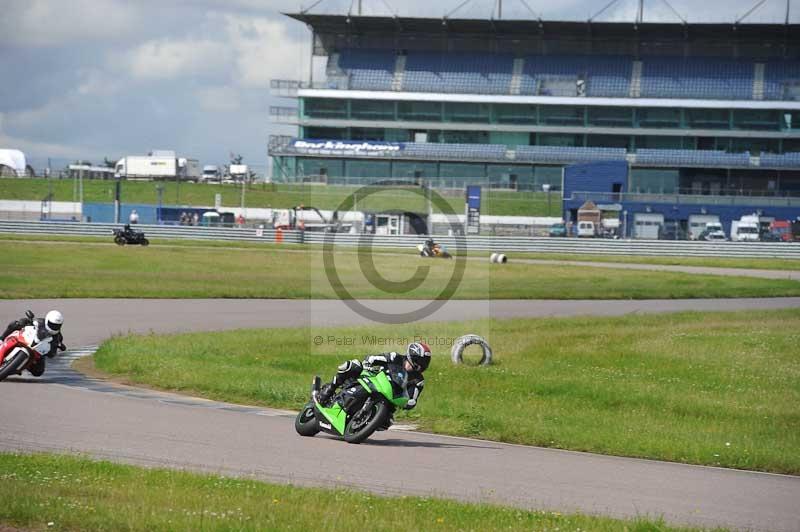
363,405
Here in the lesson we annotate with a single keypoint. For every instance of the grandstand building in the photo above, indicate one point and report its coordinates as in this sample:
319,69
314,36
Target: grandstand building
691,110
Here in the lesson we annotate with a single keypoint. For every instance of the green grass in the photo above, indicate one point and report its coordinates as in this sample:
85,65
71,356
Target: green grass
710,262
50,492
717,389
271,195
272,272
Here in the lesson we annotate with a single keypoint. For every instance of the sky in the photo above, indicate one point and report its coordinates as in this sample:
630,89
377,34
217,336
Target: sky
95,79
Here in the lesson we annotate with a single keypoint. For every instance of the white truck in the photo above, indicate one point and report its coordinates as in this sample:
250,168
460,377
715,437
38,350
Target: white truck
238,172
189,169
147,167
699,222
211,174
586,229
746,229
713,232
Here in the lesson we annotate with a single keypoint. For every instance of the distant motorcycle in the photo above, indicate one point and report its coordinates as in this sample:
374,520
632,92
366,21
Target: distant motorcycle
433,250
129,236
20,350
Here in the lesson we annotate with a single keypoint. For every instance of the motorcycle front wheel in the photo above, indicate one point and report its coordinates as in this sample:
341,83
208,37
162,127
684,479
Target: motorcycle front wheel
306,423
145,242
364,423
12,364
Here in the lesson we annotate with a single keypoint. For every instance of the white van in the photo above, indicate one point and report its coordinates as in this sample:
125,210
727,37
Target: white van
744,231
586,229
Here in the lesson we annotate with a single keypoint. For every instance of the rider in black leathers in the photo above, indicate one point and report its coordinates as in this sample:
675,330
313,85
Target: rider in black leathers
414,362
50,325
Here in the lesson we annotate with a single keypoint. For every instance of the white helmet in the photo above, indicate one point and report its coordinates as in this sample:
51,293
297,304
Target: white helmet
53,321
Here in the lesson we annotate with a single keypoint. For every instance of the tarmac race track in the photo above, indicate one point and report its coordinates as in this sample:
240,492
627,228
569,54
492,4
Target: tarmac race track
67,412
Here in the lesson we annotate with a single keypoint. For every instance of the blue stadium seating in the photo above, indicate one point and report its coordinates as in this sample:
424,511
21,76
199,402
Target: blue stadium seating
785,160
567,154
368,69
715,158
471,73
715,78
605,76
433,150
776,75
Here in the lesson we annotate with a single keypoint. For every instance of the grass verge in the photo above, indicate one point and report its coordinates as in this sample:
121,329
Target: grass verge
56,492
205,271
709,262
714,388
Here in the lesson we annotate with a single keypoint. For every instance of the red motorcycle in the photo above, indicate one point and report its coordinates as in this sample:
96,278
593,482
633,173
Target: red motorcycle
20,350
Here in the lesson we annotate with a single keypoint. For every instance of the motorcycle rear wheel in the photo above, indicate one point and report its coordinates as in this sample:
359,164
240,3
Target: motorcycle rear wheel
120,241
12,365
306,423
356,432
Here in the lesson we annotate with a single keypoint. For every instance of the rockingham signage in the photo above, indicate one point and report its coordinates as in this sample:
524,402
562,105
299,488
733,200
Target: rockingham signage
339,147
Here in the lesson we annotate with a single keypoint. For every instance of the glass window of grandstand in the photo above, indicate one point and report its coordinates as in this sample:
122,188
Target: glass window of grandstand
398,135
325,108
466,112
325,133
609,141
559,139
790,120
703,181
515,177
760,119
465,137
709,118
319,167
791,145
364,171
610,116
419,111
654,181
457,174
550,175
561,115
412,170
659,117
367,133
754,146
371,110
663,143
515,114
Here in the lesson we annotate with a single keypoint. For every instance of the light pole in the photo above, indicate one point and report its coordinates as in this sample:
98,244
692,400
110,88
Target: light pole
546,188
625,224
160,191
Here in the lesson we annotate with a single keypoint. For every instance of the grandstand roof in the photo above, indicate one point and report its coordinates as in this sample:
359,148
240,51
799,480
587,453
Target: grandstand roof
381,25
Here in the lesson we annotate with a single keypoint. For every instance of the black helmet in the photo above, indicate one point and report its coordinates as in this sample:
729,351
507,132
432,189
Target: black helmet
419,356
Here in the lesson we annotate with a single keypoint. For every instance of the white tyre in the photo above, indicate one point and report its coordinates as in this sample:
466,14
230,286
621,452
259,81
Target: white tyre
457,352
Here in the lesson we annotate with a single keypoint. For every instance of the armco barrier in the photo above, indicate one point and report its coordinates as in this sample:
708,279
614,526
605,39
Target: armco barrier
175,232
504,244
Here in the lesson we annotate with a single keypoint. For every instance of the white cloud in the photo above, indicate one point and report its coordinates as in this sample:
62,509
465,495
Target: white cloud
43,149
170,58
223,99
49,23
264,50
